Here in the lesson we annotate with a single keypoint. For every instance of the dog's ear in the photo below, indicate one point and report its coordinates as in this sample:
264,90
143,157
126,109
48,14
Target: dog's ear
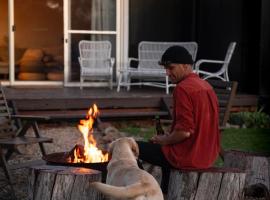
134,147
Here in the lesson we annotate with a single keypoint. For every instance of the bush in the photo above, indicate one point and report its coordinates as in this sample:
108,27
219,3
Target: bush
256,119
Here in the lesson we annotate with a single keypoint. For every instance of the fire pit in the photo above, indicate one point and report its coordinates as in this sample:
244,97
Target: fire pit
59,158
87,156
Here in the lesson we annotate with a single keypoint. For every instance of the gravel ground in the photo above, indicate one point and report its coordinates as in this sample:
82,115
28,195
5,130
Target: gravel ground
65,136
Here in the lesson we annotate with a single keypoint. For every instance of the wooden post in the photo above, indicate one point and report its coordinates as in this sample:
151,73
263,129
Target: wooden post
256,165
214,183
49,182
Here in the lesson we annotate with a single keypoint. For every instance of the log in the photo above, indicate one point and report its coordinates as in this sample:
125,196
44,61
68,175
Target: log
256,165
213,183
50,182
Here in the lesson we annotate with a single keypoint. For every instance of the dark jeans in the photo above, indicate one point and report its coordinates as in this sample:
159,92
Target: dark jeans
152,154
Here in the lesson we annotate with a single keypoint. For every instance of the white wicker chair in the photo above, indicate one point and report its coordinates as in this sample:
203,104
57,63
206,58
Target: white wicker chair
149,72
222,73
95,61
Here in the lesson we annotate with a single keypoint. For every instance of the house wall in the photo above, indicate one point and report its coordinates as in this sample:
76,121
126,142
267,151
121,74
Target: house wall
213,24
158,20
220,22
265,56
265,49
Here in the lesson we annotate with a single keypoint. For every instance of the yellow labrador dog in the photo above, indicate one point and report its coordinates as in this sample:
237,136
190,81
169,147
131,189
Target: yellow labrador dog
125,180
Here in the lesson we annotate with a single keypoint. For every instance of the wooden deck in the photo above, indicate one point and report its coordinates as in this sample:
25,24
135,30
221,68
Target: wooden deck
66,103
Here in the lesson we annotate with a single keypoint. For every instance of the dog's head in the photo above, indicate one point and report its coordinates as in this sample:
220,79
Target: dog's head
125,140
105,136
110,134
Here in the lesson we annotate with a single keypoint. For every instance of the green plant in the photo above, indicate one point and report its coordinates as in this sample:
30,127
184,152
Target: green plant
257,119
145,133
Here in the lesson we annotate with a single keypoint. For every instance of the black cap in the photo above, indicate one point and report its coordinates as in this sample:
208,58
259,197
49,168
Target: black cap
177,55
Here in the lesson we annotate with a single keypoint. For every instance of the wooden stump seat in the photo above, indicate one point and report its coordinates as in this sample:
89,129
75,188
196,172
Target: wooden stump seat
50,182
257,168
212,183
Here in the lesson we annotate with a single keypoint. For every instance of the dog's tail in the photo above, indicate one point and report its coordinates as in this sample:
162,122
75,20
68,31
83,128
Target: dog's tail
130,191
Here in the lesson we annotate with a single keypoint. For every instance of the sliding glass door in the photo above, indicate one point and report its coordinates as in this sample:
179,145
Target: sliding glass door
39,39
31,42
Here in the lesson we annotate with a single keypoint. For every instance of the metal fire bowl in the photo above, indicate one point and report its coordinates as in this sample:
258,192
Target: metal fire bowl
60,159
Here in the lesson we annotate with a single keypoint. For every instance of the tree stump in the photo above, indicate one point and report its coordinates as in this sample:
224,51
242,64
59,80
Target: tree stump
49,182
213,183
256,165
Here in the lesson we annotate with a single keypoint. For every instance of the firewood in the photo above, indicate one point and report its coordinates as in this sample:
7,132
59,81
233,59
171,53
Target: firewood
70,155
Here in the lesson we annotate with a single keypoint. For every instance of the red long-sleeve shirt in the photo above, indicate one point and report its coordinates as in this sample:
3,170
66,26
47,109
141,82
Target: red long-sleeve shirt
196,111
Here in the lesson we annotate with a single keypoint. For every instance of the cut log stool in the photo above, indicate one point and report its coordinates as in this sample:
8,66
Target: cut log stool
213,183
49,182
256,166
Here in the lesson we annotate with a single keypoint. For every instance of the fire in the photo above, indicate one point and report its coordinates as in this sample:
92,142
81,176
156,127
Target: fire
90,154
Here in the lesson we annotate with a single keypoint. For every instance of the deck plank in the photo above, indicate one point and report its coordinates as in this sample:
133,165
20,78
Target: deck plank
67,102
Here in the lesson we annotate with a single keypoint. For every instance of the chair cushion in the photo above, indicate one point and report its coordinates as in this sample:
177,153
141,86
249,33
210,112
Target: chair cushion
55,76
29,76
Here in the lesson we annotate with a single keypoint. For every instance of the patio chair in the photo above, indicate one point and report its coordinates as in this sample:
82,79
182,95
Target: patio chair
149,72
95,61
13,133
222,73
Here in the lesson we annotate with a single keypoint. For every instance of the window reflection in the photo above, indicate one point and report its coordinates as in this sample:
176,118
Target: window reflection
93,15
39,36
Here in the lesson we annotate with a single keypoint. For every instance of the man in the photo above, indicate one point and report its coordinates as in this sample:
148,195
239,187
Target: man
194,140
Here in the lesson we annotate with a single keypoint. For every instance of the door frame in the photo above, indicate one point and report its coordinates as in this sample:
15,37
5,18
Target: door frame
121,33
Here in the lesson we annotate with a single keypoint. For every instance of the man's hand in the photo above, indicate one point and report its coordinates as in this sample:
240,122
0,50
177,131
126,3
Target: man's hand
176,136
159,139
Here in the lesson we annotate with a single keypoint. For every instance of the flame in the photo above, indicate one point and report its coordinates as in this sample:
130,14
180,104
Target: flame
91,153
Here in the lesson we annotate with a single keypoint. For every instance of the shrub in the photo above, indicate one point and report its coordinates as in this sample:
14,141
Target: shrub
257,119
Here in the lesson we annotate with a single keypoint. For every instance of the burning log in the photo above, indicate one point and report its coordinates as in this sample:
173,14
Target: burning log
77,155
76,150
48,182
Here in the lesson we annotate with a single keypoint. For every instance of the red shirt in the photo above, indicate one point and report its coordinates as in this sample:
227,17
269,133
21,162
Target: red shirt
196,111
